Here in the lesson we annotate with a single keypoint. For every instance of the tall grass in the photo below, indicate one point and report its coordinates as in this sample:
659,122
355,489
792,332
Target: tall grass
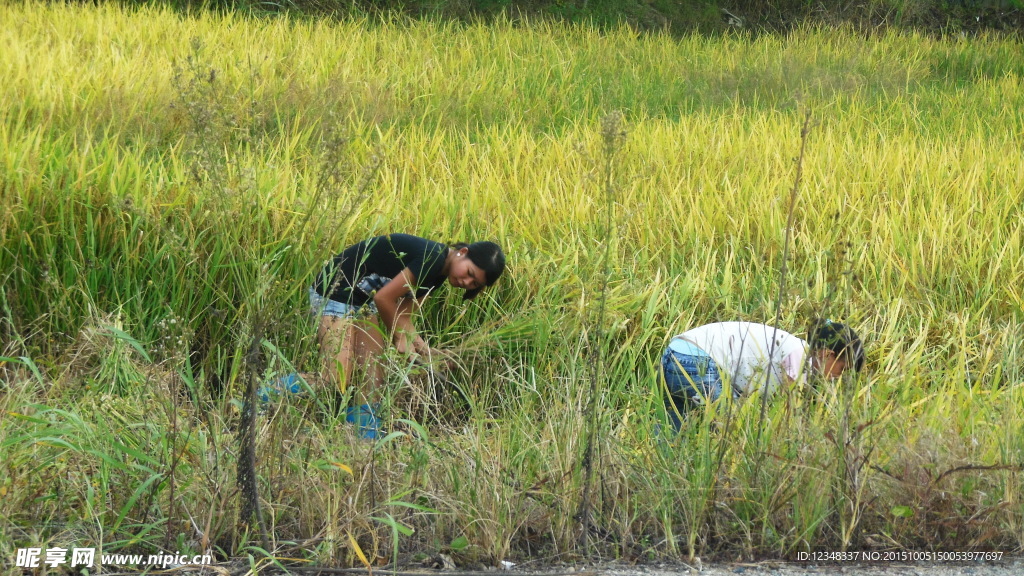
171,184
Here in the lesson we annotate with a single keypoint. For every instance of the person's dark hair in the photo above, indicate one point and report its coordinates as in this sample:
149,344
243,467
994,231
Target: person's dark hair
488,257
839,338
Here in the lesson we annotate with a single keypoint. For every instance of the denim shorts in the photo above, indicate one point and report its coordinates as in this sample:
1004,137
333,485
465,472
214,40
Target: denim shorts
321,306
692,378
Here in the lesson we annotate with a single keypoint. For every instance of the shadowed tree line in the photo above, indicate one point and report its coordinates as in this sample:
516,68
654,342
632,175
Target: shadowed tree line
674,16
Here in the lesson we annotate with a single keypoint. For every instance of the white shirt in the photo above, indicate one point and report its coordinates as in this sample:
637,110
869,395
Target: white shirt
741,351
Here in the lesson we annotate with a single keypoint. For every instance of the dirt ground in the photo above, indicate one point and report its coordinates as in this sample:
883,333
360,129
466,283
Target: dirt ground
1006,566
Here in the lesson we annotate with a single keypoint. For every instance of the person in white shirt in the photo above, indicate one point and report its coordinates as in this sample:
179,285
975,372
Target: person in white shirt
744,357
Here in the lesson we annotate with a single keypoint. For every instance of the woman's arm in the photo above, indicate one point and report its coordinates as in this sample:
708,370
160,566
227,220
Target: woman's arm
395,308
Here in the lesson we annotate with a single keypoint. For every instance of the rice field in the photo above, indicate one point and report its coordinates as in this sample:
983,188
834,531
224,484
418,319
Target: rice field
171,183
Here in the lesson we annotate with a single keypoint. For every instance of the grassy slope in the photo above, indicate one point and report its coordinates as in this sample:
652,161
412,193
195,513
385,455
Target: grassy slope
143,193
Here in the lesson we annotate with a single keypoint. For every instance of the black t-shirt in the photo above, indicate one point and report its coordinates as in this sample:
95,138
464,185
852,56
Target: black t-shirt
360,270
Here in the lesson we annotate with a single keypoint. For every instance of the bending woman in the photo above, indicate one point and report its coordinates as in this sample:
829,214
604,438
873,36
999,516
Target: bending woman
744,357
375,284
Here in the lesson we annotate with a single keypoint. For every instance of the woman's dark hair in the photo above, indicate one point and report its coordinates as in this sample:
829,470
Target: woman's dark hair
488,257
839,338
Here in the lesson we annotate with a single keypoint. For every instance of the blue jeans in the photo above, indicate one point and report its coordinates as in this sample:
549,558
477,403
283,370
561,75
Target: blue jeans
692,378
321,306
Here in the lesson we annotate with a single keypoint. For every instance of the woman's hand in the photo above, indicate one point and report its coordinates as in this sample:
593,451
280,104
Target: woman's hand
444,359
435,358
